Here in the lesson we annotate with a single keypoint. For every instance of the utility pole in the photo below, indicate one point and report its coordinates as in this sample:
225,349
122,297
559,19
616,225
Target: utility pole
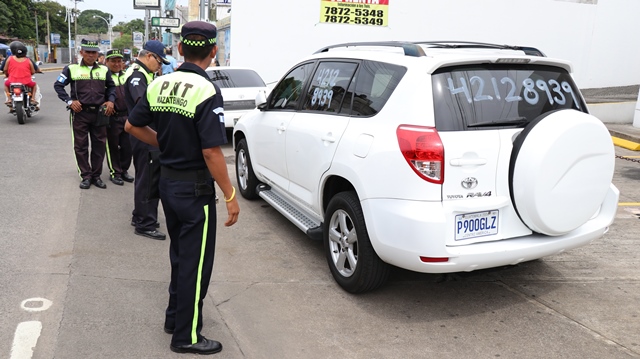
37,38
48,39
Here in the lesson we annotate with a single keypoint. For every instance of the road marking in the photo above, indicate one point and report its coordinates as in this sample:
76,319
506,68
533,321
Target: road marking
25,339
36,304
629,204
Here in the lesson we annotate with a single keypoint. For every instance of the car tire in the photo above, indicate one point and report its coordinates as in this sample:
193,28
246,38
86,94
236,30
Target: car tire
352,260
246,178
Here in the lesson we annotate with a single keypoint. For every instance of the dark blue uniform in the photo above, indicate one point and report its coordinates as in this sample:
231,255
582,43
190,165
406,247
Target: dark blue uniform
187,110
145,209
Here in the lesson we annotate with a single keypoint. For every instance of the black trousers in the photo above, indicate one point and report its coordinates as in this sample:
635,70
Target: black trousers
145,210
118,147
89,165
191,222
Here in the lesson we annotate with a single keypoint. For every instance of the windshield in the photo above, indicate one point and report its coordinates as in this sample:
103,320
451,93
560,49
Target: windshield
228,78
489,96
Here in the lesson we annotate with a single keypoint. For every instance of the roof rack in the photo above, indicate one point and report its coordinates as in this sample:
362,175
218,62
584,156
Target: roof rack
410,48
413,48
532,51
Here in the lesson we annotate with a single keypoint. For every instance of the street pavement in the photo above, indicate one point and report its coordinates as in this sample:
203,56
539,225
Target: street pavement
99,291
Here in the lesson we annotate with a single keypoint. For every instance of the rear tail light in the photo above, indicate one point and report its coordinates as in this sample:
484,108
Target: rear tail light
423,151
17,91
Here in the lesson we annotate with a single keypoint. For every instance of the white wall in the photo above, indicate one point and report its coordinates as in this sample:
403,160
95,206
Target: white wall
600,37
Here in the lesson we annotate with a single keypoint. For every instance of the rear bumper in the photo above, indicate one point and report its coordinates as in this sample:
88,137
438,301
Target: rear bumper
231,117
403,231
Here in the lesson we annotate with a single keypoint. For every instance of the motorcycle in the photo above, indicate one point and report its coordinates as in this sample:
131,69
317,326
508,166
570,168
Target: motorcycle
21,105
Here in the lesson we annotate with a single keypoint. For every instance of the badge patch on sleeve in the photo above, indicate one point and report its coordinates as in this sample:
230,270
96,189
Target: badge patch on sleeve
62,78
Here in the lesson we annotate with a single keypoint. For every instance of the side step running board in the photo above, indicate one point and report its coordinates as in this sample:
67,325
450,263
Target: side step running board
308,225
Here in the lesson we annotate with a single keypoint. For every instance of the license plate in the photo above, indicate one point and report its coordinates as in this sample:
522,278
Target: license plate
19,99
479,224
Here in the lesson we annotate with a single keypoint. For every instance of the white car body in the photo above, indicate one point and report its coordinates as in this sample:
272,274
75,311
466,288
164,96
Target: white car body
238,100
551,193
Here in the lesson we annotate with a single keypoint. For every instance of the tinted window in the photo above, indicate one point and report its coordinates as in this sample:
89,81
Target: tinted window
489,96
375,84
288,91
228,78
328,86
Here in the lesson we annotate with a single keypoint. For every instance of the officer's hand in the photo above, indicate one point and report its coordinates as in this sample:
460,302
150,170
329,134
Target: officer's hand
76,106
233,209
110,109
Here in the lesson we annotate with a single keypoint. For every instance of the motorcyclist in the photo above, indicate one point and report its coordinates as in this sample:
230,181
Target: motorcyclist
19,69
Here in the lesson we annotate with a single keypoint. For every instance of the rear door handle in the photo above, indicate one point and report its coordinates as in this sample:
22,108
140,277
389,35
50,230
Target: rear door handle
468,161
281,128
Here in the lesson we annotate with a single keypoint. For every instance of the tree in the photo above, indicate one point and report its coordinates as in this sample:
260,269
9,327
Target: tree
123,42
57,25
17,19
87,24
129,27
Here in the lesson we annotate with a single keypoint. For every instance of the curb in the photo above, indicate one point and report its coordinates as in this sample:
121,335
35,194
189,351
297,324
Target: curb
633,146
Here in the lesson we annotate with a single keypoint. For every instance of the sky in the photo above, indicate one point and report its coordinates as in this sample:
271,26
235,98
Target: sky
122,10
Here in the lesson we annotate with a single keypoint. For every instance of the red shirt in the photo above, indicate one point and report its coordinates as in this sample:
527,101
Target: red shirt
19,71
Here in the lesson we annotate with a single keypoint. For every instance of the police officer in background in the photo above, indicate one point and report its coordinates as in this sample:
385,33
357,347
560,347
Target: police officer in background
187,110
137,77
118,143
91,87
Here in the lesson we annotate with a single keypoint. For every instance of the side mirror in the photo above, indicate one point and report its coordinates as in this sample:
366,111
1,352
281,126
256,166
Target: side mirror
261,100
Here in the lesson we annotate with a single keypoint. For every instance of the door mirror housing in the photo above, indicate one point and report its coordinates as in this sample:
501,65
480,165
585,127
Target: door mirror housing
261,100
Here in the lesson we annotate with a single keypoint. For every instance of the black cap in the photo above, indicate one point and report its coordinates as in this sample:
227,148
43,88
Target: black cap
89,45
114,53
198,28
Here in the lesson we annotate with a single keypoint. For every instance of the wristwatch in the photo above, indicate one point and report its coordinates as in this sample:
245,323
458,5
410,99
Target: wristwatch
69,102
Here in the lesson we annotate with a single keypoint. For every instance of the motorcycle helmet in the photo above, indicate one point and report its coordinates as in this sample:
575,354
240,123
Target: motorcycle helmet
17,48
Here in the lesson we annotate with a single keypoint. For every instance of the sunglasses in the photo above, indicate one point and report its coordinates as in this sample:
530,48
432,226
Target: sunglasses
156,58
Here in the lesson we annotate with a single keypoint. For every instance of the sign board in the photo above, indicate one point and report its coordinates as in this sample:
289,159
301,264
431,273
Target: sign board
146,4
105,42
369,12
138,38
55,39
165,21
126,51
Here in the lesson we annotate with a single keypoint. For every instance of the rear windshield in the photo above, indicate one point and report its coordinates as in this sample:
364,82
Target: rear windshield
490,96
228,78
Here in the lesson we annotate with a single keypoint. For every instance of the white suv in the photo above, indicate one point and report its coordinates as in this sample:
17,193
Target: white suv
434,157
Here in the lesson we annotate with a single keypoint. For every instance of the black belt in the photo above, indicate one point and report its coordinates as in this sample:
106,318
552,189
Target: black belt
185,175
121,114
91,109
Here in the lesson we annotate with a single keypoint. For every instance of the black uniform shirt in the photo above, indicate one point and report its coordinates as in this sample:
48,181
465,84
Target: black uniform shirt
181,138
135,86
92,92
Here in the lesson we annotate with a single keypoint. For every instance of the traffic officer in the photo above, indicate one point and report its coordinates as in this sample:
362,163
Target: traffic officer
91,88
187,109
137,77
118,143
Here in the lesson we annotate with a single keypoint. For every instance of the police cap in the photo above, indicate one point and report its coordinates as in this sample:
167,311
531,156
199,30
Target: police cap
205,29
89,45
114,53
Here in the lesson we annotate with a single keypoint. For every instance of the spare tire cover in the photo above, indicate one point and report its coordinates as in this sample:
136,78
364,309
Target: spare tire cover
561,168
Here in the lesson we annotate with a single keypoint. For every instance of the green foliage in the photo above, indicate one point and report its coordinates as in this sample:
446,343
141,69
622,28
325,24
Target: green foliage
129,27
88,24
123,42
57,25
18,19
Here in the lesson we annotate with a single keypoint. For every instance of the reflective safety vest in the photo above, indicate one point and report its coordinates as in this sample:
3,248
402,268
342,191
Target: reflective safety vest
119,79
89,83
179,92
137,67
